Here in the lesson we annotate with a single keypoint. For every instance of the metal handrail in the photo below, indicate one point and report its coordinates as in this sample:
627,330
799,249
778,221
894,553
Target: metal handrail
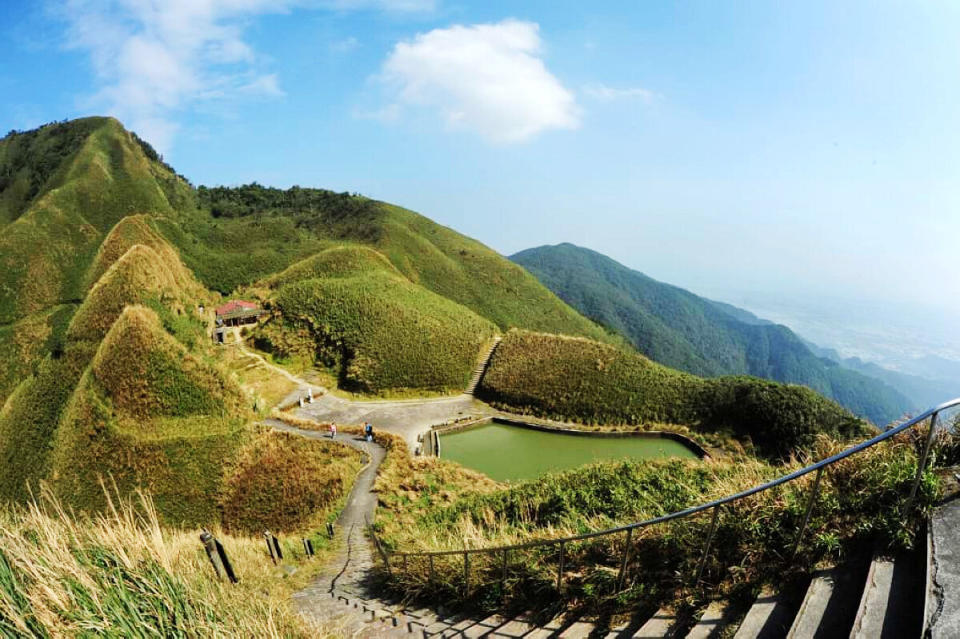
693,510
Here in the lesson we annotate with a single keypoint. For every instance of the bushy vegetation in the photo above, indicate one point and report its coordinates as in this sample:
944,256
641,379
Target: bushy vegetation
681,330
285,483
340,261
228,253
139,275
586,381
859,499
24,344
378,331
122,574
29,160
138,230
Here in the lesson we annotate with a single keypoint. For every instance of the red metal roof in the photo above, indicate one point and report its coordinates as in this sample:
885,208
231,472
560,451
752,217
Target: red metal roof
236,305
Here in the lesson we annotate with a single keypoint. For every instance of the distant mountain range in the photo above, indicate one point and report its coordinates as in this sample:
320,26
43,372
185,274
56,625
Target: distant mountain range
682,330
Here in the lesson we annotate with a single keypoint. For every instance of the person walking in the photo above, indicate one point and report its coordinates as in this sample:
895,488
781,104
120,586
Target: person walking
333,430
368,431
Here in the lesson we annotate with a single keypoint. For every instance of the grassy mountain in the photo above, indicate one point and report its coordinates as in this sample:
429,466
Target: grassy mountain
426,253
352,310
681,330
586,381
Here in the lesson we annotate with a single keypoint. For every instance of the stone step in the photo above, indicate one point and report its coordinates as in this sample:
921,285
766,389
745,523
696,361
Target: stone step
710,623
547,630
659,625
513,629
577,630
830,604
768,617
890,605
814,606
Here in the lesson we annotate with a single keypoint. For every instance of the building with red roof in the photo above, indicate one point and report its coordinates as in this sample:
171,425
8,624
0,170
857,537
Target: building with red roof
237,312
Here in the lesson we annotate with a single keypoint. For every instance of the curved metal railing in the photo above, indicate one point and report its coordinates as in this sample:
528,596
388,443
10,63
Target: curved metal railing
818,467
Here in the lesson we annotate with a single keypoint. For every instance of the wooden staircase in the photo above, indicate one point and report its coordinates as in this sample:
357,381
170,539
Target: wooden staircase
482,367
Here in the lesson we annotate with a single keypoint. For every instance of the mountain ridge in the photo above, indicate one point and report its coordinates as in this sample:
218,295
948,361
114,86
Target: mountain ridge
682,330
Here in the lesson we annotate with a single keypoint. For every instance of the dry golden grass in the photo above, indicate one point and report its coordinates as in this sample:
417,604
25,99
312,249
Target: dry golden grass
122,574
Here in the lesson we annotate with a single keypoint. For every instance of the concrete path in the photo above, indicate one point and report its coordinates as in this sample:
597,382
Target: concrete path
347,574
407,418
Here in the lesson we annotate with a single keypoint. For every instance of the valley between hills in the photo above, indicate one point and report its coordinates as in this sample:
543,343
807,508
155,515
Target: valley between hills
126,428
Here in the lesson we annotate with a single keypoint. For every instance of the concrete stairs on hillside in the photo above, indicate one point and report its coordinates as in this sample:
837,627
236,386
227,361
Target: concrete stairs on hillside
482,367
874,596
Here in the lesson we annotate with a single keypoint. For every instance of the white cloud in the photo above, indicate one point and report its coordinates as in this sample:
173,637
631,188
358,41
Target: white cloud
153,57
608,94
486,78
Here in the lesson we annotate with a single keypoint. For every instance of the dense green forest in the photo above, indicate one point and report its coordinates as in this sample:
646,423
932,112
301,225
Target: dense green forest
684,331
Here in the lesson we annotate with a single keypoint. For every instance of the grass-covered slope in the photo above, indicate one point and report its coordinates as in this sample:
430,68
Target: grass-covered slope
679,329
85,176
433,256
24,344
586,381
340,261
148,414
374,328
124,574
140,275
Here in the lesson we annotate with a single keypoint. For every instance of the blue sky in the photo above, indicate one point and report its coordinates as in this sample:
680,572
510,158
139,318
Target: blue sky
807,150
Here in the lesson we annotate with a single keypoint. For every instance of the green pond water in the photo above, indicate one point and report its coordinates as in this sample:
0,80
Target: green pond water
509,453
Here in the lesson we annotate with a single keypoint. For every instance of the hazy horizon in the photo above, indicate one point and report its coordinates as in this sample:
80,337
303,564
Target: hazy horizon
778,157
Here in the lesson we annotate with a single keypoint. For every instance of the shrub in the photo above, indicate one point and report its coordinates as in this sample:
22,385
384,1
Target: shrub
283,483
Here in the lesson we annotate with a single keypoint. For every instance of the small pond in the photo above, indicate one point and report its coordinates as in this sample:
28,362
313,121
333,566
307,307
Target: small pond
509,453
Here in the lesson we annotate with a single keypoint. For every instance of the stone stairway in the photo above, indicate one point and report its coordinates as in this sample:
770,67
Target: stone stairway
875,596
482,367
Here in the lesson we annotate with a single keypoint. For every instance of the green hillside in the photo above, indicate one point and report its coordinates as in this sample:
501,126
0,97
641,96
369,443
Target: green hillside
374,328
681,330
586,381
433,256
82,178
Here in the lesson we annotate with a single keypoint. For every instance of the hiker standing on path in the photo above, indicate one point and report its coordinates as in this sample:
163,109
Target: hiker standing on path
333,430
368,431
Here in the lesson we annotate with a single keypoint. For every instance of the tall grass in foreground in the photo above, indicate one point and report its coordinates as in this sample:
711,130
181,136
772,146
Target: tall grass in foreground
120,574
